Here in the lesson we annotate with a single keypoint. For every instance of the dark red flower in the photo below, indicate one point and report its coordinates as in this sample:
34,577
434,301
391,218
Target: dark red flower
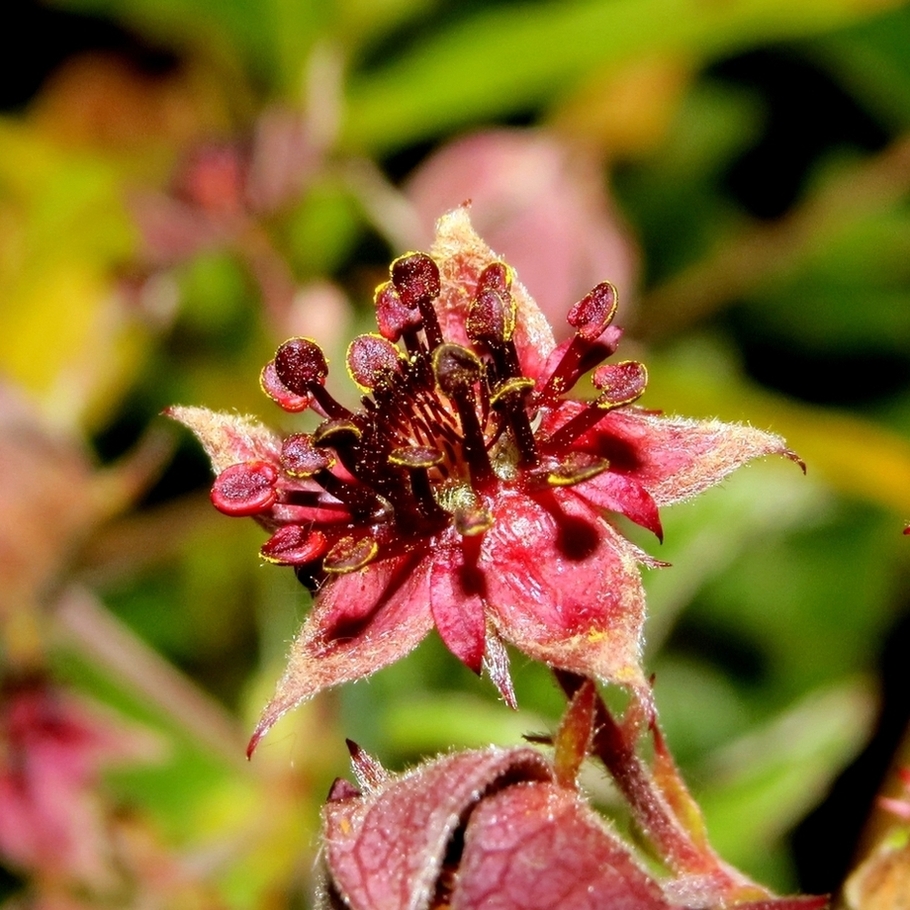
468,491
491,829
502,829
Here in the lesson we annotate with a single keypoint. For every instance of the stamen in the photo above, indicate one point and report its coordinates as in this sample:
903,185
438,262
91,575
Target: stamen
594,312
359,500
622,383
245,489
491,319
301,367
418,460
301,458
456,370
590,317
279,393
575,468
294,545
337,433
373,361
342,436
491,316
497,276
394,319
511,387
510,397
416,279
416,457
350,554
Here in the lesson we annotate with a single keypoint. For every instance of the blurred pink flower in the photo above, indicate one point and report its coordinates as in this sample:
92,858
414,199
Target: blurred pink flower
221,186
467,492
541,204
52,748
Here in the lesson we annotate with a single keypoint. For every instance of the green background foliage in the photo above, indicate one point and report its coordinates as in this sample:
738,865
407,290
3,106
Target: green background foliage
762,174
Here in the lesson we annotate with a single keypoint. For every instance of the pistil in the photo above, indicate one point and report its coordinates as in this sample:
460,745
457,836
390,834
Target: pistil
457,370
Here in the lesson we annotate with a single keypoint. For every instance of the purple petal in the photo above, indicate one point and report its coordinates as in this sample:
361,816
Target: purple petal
673,458
386,852
456,589
539,847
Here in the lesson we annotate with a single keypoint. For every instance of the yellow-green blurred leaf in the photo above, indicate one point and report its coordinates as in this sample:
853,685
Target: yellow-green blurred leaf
505,58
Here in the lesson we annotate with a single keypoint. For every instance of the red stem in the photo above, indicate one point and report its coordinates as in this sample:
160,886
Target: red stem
652,805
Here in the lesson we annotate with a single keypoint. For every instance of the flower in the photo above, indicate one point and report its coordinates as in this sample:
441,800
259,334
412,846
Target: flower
506,828
492,828
52,750
469,491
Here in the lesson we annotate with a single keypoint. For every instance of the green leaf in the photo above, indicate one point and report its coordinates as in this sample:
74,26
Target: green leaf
761,785
847,293
505,58
871,60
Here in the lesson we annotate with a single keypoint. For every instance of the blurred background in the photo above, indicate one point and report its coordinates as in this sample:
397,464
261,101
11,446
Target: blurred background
186,183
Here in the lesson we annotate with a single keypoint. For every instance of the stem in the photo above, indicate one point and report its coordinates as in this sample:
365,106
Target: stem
655,801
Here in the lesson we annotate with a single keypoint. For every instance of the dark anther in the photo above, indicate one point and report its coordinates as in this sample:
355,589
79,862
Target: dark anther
497,276
373,361
418,460
301,458
456,368
280,393
491,316
416,457
342,436
336,433
514,386
621,384
510,398
394,319
350,554
300,366
594,340
245,489
594,312
575,468
416,279
294,545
